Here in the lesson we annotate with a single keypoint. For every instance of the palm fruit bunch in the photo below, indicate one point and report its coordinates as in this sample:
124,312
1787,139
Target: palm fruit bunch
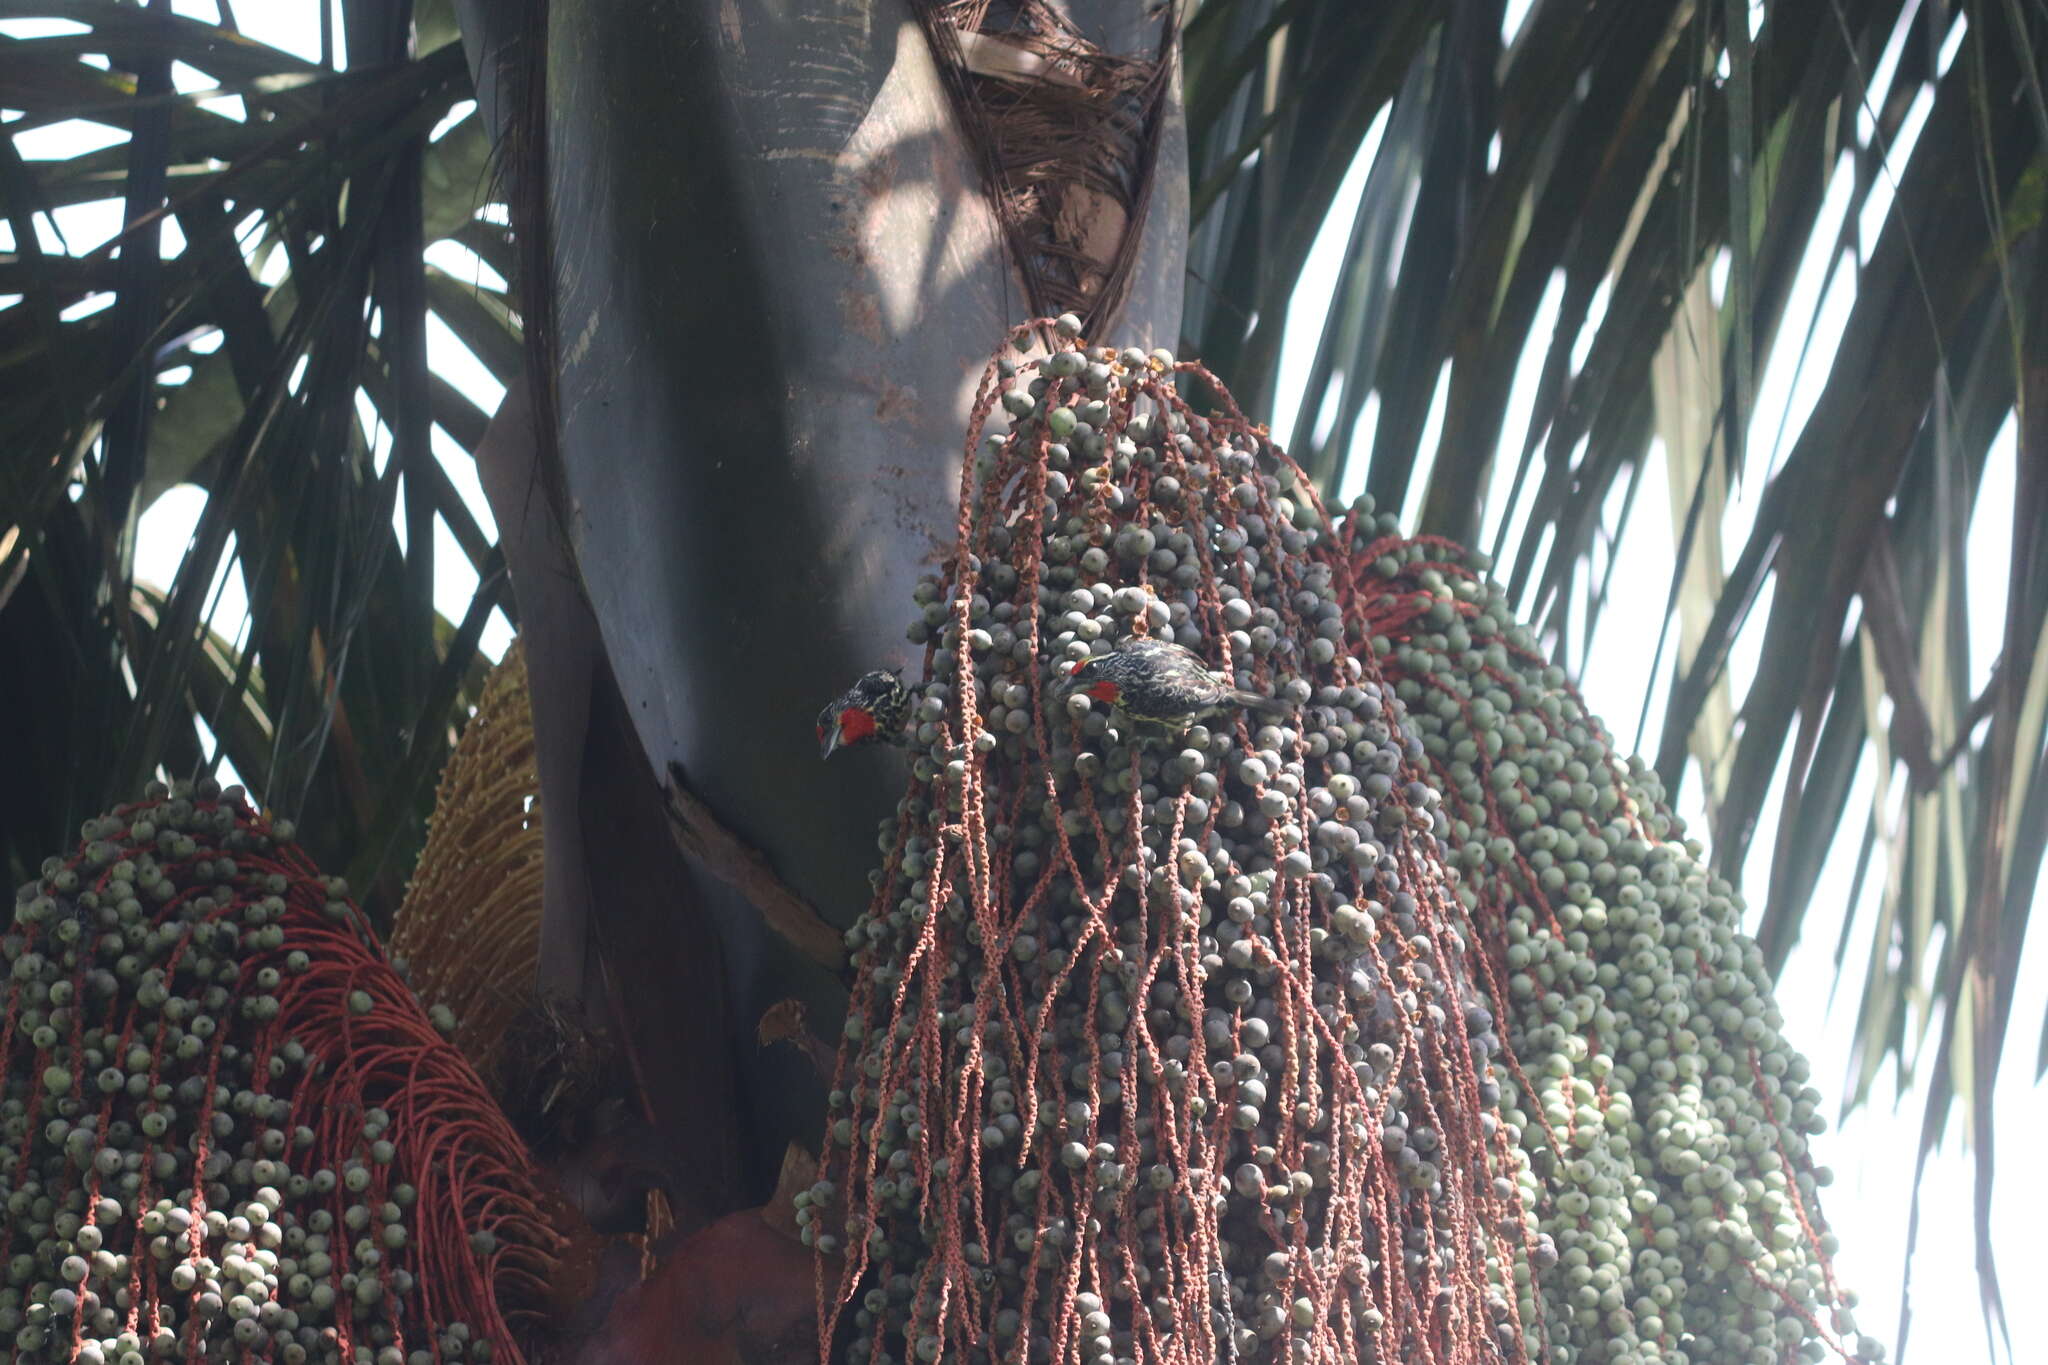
228,1131
1660,1119
1160,1051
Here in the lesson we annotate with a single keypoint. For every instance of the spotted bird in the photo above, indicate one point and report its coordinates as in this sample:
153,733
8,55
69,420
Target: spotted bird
1160,685
871,711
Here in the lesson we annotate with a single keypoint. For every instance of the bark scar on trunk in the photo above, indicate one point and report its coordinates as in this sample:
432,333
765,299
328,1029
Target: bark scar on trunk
703,836
1067,135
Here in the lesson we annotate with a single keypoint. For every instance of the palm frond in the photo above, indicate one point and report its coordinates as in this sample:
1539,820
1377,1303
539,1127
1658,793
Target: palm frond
255,327
1598,248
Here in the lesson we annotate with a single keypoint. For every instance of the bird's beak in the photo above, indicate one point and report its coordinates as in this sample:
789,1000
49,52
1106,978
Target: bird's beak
828,743
1063,679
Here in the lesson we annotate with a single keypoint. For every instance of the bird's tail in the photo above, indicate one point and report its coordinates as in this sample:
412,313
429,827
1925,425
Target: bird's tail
1265,706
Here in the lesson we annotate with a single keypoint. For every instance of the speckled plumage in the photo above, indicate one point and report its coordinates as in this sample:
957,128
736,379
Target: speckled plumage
1158,683
871,711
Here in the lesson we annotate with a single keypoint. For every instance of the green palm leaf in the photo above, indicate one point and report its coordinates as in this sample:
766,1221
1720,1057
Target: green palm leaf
207,366
1571,192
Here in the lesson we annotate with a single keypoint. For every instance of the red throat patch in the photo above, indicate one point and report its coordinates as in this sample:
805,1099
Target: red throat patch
855,725
1103,691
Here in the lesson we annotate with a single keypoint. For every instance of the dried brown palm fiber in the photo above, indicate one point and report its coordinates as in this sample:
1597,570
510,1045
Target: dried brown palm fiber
469,929
661,1221
470,924
1067,135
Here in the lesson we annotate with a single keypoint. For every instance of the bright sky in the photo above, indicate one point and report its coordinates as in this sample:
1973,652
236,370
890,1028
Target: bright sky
1872,1152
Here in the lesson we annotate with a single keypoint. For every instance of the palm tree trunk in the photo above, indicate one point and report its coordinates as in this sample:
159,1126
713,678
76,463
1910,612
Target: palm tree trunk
776,275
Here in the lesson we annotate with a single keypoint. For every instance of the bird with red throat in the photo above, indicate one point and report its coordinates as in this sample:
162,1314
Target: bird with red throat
872,711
